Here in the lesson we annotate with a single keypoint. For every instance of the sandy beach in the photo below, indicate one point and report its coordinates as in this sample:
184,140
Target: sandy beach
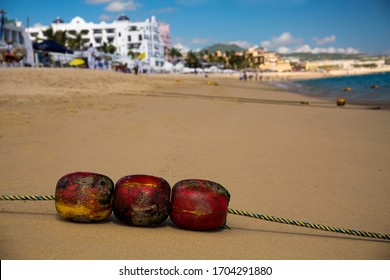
277,153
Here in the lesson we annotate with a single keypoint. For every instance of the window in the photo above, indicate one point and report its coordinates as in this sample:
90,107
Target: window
110,30
97,31
133,28
129,38
110,39
140,37
133,46
84,31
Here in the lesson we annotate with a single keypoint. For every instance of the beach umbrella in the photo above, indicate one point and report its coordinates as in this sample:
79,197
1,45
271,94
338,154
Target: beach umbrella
77,62
51,46
178,67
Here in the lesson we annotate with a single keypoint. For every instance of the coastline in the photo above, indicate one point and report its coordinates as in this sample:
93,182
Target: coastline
277,153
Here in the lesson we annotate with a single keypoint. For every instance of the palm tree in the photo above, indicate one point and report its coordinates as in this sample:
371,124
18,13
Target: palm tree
192,60
108,48
175,53
49,33
76,42
60,37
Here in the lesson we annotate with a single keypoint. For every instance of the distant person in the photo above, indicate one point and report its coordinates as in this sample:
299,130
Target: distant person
91,52
46,60
136,66
9,54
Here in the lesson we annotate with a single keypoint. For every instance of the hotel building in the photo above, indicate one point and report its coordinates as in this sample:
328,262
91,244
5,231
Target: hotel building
150,37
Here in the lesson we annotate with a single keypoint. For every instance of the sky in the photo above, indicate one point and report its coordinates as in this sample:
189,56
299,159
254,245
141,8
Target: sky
342,26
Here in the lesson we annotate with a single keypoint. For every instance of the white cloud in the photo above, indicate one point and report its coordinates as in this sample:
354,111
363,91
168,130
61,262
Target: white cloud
283,50
38,25
181,47
325,40
242,44
120,6
287,43
105,17
303,49
200,40
285,39
308,49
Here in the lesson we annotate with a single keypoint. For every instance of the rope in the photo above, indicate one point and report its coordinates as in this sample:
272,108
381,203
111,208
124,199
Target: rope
27,197
310,225
240,213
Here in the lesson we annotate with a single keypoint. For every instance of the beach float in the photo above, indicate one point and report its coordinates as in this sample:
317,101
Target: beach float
199,204
144,200
212,83
84,197
141,200
341,102
347,89
374,86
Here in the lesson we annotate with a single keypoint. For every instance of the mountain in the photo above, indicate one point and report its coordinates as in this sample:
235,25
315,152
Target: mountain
223,48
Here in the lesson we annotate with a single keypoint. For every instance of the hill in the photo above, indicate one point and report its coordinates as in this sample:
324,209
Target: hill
223,48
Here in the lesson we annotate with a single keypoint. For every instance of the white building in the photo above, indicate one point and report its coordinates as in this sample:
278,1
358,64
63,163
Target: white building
127,36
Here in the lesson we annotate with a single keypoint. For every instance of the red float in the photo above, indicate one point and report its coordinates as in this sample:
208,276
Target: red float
199,204
84,197
141,200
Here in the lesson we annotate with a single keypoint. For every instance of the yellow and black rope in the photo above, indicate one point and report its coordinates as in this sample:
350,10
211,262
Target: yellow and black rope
241,213
310,225
27,197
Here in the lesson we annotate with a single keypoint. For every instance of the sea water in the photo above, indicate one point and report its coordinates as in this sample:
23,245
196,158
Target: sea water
361,87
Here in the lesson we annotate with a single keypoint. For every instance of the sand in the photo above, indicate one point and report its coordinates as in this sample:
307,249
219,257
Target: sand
276,154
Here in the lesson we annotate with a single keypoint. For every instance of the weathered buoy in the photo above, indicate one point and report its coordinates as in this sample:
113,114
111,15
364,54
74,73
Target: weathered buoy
341,102
84,197
199,204
141,200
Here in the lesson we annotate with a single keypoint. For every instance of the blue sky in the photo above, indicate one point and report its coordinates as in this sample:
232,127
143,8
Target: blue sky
278,25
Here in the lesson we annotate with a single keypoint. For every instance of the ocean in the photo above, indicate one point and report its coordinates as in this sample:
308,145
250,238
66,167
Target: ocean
361,88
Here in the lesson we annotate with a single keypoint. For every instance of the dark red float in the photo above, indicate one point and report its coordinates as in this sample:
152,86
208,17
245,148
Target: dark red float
141,200
199,204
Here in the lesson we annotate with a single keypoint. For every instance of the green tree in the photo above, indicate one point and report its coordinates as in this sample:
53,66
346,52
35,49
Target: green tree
192,60
108,48
133,54
49,33
175,53
60,37
76,42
